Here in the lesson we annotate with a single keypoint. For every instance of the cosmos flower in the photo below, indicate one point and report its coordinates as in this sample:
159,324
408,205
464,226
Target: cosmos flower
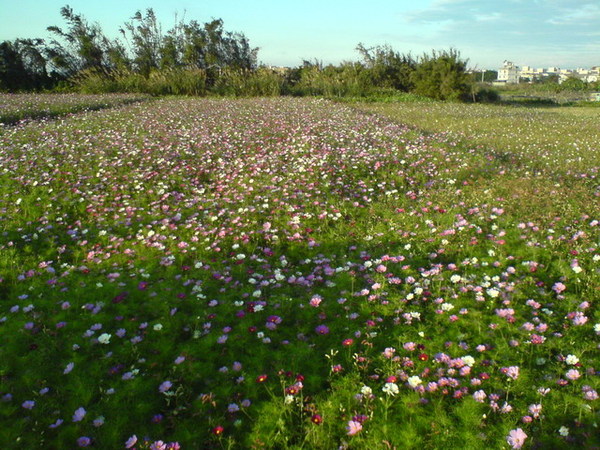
79,414
516,438
353,427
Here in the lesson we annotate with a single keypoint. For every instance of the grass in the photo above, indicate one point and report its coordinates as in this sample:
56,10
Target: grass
295,273
558,139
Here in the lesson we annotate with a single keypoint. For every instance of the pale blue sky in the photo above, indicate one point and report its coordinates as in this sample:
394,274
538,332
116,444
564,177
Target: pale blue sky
541,33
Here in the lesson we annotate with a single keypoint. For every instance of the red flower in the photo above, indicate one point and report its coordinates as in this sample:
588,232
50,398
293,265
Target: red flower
423,357
316,419
261,378
218,430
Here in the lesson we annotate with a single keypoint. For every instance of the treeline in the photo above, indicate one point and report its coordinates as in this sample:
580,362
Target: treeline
194,58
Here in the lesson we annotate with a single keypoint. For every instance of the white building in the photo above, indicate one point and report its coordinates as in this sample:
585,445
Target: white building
509,73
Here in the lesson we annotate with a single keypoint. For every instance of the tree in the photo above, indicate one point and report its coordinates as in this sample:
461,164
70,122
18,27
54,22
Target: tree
388,68
22,65
442,76
84,45
146,41
573,84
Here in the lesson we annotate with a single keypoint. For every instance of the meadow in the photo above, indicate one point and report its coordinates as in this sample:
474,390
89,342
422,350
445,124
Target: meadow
297,273
18,107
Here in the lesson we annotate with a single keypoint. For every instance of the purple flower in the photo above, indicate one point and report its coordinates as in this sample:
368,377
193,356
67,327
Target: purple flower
98,422
322,329
131,441
56,424
233,407
28,404
84,441
79,414
165,386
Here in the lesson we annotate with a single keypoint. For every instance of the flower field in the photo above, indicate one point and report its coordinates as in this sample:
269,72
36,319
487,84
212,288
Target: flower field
16,107
293,273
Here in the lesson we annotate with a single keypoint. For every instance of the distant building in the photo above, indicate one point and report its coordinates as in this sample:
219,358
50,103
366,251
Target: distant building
508,73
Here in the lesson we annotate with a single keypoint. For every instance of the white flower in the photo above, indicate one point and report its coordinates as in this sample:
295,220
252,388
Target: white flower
447,307
493,293
572,360
158,327
414,381
366,390
104,338
563,431
468,360
455,278
390,389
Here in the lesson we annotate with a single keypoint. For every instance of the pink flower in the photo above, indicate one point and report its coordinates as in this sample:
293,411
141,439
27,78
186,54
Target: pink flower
479,396
558,287
131,441
573,374
516,438
511,372
315,301
353,427
389,352
535,410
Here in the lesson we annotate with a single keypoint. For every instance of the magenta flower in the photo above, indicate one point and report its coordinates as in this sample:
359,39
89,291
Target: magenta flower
516,438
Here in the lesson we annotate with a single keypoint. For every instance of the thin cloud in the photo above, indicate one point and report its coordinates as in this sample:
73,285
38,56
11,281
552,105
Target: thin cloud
589,13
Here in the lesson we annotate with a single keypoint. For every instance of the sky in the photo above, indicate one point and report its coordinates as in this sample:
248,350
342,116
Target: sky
538,33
